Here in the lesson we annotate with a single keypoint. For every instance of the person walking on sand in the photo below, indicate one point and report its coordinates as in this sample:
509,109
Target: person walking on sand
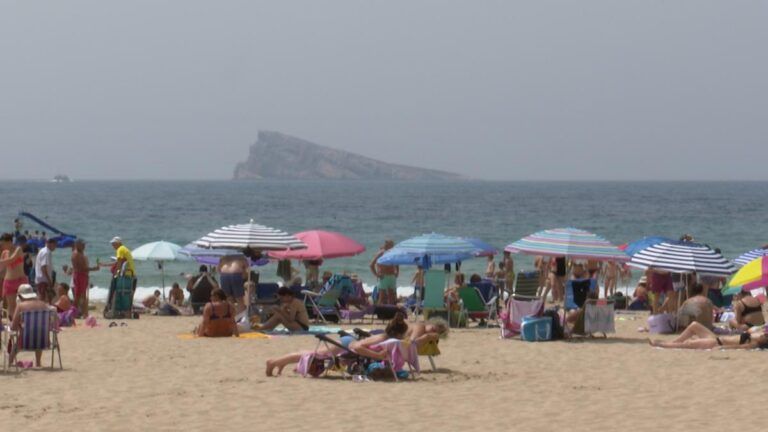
44,270
81,277
386,276
12,261
233,272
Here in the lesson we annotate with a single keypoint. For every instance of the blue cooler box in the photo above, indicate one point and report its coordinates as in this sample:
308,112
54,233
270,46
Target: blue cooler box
536,329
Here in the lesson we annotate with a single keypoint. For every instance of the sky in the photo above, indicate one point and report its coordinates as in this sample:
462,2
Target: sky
498,90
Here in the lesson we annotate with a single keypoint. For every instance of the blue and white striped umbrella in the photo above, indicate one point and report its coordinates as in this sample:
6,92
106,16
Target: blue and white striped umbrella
752,255
683,257
250,235
438,247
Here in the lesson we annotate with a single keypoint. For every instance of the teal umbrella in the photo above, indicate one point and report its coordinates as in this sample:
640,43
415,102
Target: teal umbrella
160,252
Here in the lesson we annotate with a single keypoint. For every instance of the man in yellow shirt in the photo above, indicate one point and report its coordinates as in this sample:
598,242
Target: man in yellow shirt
124,257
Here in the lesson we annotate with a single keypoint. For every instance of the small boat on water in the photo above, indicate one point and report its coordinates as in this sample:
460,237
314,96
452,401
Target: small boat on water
61,178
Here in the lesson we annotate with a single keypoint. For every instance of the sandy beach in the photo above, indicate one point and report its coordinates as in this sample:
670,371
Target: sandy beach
144,376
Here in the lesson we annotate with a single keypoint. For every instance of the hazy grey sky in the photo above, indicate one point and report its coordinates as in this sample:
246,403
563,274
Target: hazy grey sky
493,89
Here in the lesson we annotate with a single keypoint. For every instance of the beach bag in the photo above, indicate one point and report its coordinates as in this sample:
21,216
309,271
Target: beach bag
557,328
619,301
536,329
661,324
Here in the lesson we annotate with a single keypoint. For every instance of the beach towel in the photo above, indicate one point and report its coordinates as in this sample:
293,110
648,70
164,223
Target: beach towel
599,318
512,317
313,330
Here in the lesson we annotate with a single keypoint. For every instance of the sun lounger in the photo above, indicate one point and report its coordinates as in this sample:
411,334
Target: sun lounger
474,306
39,332
434,294
597,316
526,284
325,304
517,308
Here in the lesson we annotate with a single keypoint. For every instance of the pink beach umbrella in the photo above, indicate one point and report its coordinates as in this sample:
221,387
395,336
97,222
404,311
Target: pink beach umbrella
321,245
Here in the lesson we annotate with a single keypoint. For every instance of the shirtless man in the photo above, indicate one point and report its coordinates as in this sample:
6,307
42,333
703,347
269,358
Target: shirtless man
291,313
386,275
80,277
153,301
233,271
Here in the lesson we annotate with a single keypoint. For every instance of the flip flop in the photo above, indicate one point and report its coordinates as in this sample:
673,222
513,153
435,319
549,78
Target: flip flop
112,324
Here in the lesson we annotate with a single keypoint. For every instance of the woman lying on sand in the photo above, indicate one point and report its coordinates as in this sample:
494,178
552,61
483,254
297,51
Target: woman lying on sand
696,336
396,329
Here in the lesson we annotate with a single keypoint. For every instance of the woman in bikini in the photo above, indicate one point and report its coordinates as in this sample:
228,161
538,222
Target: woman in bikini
396,329
749,312
218,317
422,333
12,260
696,336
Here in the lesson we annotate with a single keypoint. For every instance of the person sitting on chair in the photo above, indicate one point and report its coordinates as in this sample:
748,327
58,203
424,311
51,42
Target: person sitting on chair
291,313
30,302
218,317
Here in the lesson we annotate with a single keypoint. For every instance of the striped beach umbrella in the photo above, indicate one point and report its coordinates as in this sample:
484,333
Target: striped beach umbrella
250,235
683,257
747,257
568,242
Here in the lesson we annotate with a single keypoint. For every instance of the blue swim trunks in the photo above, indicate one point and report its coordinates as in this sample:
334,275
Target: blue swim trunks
233,284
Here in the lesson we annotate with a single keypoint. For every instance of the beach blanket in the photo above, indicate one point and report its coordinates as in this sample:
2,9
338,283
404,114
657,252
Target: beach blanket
313,330
250,335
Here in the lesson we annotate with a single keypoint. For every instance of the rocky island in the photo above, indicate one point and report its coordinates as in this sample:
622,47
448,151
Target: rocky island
279,156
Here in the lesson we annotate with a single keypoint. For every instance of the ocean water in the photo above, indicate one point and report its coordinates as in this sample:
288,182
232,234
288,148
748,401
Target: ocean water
728,215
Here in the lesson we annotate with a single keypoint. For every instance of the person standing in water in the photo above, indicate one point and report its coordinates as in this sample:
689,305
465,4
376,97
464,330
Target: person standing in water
386,276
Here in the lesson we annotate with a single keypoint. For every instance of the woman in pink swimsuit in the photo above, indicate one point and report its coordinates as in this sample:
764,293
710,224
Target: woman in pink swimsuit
12,260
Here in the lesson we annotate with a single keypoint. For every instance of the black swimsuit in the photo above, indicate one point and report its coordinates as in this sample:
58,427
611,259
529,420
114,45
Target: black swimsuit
215,317
749,309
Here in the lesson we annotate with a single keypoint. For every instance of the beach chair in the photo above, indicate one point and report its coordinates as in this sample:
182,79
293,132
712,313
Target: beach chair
526,284
38,333
325,304
120,299
597,316
577,291
434,295
357,298
266,294
351,364
474,306
517,308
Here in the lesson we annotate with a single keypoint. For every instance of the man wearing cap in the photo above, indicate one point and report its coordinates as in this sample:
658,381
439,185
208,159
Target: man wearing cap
44,270
80,276
28,302
124,263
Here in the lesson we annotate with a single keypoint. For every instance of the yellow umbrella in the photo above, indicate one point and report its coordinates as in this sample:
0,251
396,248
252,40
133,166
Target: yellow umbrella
751,276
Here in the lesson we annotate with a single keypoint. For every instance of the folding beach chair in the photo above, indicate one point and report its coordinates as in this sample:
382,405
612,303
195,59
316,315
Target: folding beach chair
474,306
38,333
355,297
325,304
434,294
597,316
526,284
577,291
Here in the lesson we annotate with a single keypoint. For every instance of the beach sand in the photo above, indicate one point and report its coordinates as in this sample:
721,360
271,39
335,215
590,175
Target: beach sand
144,376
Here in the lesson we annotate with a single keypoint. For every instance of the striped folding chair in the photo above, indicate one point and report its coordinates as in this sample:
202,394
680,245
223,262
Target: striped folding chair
38,333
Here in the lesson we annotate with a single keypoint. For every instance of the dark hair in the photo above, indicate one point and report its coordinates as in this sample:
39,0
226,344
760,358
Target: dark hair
284,291
203,269
65,286
51,240
697,289
6,237
21,239
218,293
397,327
475,278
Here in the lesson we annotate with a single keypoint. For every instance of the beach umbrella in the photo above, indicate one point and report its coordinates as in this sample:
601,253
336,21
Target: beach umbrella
429,249
160,252
213,256
483,249
683,257
750,256
568,242
250,235
638,245
321,245
753,275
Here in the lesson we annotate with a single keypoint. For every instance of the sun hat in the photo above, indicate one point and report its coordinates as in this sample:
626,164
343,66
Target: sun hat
643,280
116,240
26,292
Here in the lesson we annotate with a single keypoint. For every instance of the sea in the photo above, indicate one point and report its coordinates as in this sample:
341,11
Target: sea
731,216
